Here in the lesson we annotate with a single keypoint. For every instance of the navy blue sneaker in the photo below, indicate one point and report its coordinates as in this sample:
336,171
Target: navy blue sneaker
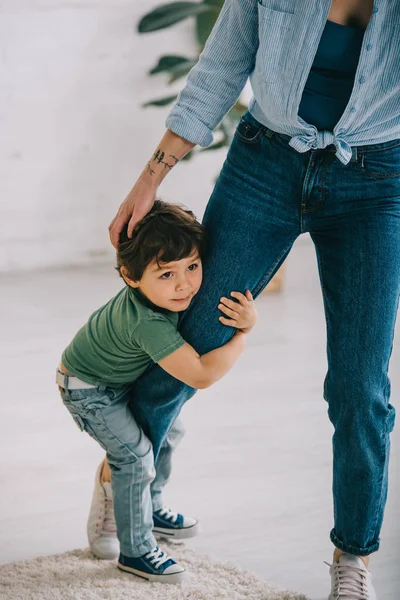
168,524
154,566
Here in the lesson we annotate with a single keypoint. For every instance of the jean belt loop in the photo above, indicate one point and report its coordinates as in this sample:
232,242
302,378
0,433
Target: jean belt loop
355,153
66,389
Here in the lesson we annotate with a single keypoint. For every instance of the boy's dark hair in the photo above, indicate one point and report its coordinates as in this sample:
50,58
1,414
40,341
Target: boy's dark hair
168,232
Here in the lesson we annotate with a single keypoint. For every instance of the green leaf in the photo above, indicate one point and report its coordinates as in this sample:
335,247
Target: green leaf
161,102
170,62
188,156
206,21
204,24
169,14
180,71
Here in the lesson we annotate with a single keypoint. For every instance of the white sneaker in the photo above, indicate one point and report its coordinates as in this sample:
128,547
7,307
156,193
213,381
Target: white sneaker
101,528
351,580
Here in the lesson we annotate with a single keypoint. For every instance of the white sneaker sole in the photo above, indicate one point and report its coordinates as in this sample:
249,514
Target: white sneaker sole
177,534
171,578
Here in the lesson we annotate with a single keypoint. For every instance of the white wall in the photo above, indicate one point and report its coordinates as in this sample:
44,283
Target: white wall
73,135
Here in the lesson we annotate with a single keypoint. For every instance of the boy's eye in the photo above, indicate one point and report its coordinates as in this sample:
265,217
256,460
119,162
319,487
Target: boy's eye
166,275
193,267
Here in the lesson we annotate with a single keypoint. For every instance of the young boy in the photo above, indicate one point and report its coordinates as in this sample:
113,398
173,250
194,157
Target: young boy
161,266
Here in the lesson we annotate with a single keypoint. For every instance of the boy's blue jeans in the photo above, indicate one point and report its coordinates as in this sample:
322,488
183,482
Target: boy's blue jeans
267,195
104,413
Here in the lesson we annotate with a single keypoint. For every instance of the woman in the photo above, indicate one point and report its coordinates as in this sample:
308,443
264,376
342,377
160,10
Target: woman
318,152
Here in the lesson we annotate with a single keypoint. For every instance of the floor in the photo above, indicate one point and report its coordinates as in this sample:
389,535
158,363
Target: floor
255,464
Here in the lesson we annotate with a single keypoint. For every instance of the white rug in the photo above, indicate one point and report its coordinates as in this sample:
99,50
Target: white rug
77,575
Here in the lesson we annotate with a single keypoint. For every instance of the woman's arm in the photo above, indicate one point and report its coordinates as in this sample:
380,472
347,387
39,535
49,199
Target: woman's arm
216,81
141,198
213,86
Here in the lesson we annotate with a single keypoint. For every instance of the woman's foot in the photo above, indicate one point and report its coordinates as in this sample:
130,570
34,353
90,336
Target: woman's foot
350,578
101,527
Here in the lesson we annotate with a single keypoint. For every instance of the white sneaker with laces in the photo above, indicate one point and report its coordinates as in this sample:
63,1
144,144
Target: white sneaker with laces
350,579
101,528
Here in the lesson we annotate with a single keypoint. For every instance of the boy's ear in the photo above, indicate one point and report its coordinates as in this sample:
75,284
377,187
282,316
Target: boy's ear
130,282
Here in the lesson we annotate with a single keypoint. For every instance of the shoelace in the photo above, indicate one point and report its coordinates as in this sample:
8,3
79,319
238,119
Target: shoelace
157,557
168,514
349,582
106,522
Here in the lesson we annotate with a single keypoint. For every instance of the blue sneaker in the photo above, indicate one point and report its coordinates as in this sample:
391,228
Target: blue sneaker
154,566
168,524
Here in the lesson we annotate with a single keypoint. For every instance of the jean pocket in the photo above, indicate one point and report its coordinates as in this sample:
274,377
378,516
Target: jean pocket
79,421
383,163
249,130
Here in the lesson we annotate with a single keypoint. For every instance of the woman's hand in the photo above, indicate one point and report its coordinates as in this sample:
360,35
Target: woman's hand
136,205
242,314
171,149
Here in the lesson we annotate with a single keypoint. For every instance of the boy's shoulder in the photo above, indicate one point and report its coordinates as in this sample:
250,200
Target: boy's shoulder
145,311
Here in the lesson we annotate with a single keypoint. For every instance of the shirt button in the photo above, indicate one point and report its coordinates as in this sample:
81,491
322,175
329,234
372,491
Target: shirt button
362,79
375,9
369,47
352,109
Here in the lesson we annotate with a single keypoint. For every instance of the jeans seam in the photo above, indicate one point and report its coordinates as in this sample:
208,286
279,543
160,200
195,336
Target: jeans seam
381,149
381,499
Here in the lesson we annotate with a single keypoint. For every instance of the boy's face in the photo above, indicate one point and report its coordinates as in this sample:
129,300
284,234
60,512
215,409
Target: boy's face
171,285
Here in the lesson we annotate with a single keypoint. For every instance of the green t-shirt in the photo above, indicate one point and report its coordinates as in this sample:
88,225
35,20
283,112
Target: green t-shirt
120,340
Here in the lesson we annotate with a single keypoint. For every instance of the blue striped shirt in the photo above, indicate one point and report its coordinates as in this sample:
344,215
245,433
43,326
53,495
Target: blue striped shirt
274,42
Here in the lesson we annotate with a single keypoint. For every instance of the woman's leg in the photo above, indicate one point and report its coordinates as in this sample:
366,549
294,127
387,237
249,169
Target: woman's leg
357,238
252,220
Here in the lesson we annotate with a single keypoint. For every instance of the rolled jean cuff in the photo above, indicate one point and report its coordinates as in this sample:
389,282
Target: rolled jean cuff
141,549
355,550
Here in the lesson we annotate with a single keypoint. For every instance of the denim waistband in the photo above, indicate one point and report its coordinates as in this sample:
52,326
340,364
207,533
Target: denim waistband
356,151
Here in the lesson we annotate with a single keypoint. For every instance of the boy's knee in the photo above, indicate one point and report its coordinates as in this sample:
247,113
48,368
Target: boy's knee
128,453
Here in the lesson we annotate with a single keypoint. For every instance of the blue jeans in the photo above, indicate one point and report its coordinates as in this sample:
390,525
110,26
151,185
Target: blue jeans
268,194
104,413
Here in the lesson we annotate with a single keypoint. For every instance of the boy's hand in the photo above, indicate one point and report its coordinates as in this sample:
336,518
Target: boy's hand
242,314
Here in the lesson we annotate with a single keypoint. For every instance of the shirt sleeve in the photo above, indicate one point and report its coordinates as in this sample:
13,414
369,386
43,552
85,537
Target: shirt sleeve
158,337
215,83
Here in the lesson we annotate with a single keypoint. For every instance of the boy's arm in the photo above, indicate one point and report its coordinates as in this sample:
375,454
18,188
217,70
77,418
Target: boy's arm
202,371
